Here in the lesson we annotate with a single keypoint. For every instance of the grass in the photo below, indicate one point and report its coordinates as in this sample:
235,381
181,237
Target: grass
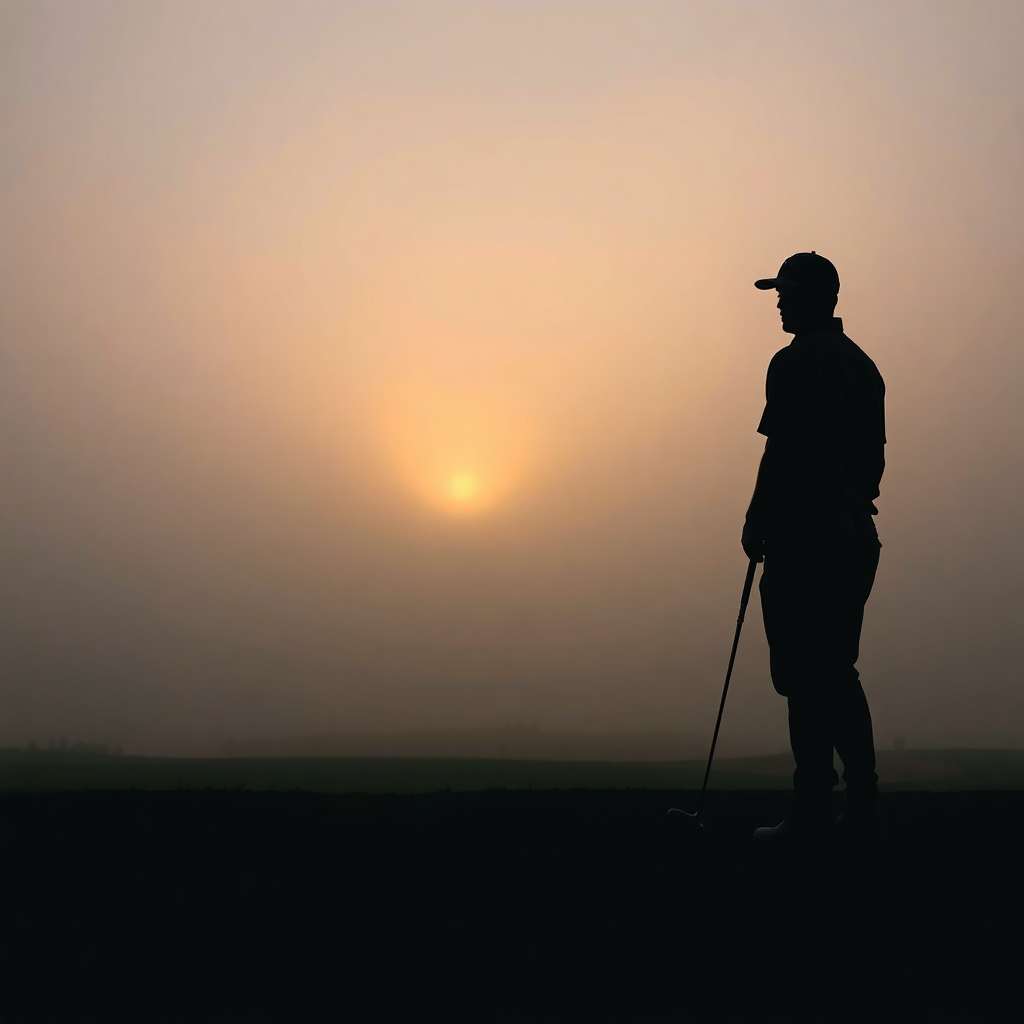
501,907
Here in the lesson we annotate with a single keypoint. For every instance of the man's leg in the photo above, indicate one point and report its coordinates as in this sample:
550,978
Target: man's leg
795,619
854,737
855,745
810,737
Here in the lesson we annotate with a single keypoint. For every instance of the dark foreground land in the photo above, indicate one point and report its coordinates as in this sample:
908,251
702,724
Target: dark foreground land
500,906
24,771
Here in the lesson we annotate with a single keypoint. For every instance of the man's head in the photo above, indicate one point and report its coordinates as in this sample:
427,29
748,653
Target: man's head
808,287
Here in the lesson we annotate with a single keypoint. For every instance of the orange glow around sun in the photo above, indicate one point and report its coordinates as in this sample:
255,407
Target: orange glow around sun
456,453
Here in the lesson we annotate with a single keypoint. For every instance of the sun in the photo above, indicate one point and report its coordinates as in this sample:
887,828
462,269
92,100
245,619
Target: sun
463,488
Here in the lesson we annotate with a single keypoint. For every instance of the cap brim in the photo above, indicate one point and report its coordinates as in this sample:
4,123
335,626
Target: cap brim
776,282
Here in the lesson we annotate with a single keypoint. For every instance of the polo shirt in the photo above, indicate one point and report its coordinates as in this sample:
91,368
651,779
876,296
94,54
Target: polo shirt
824,418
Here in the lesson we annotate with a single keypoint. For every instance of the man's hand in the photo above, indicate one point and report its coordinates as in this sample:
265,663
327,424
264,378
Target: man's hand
753,540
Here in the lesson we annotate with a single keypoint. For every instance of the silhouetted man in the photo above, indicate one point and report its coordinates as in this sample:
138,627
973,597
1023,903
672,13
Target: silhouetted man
810,520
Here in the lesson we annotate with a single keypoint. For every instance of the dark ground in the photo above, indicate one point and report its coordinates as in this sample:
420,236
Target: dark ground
500,906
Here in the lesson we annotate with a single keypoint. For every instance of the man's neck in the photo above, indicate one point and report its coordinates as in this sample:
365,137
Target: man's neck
825,324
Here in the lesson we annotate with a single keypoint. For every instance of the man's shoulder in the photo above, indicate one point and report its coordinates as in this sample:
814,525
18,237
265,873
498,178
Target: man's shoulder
810,355
852,351
850,347
782,359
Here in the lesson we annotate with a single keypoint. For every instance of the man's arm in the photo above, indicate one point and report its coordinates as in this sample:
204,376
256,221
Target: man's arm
760,504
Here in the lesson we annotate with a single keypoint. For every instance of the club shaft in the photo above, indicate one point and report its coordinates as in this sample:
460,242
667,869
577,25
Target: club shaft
748,584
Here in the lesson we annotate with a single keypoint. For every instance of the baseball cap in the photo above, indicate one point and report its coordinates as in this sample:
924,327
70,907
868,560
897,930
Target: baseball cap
804,270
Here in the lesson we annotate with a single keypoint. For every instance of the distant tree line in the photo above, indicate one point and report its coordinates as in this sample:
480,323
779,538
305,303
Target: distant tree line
60,745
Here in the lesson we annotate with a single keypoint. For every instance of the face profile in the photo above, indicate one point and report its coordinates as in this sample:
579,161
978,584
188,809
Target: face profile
803,310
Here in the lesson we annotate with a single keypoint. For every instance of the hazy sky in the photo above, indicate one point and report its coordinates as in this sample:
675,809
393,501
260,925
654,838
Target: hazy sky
393,365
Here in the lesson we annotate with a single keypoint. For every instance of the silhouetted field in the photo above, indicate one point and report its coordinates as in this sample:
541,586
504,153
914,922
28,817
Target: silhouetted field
24,771
500,906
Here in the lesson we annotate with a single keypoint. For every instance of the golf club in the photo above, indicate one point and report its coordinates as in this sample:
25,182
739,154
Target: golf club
747,585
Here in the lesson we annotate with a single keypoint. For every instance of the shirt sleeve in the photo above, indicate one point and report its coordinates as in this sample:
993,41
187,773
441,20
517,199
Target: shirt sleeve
777,417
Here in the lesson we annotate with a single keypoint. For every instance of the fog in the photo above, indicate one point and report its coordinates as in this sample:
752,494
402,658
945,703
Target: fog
387,366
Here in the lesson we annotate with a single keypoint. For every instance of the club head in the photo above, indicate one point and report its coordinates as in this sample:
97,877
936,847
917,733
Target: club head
691,818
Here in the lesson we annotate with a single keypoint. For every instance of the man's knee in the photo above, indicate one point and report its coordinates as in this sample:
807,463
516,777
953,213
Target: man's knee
785,673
